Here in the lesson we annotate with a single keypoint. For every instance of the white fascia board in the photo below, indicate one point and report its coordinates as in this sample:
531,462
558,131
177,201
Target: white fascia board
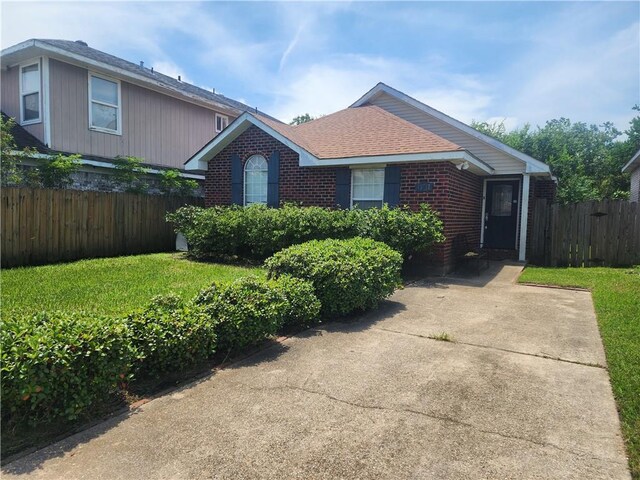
85,62
96,163
459,156
634,162
200,160
535,165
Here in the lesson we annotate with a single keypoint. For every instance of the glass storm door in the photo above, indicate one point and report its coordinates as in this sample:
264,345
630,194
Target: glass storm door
501,214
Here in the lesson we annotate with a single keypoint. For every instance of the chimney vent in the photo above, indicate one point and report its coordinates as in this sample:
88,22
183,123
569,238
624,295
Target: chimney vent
141,64
82,42
179,78
151,69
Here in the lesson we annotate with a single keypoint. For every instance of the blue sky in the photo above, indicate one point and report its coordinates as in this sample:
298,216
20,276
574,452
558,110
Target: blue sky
517,61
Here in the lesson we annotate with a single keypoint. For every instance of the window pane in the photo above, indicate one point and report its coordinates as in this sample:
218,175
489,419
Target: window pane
368,187
30,79
104,91
31,107
104,117
501,200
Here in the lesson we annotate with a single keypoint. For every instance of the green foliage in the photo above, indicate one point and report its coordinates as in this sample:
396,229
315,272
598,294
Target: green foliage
59,365
256,232
9,155
300,119
243,312
586,159
55,172
169,335
400,228
172,183
348,275
129,174
303,307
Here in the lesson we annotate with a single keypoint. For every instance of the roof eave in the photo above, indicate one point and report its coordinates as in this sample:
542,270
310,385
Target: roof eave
632,164
41,48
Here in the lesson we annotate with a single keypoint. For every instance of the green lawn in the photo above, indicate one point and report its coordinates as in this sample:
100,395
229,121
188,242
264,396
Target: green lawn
110,285
616,296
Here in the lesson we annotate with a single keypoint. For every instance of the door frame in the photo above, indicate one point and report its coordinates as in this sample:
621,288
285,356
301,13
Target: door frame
484,206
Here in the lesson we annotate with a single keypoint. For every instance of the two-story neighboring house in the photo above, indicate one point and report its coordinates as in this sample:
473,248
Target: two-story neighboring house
73,98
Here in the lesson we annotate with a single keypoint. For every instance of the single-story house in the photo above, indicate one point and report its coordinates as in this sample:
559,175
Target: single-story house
633,168
385,148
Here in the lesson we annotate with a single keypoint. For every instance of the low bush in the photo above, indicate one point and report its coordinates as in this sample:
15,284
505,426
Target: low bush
60,365
243,312
347,275
169,335
303,307
257,232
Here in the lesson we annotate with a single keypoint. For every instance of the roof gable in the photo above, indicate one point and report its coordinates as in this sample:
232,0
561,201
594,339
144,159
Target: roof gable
632,164
473,136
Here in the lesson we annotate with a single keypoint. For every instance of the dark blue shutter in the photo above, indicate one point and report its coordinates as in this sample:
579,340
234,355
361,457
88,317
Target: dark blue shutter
236,180
343,187
392,185
273,174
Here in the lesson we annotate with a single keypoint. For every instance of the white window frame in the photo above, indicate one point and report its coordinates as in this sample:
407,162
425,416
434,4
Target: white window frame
117,107
223,118
244,181
381,200
23,93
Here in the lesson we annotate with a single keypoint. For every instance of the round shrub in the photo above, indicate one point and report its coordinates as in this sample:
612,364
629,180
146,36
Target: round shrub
243,312
169,335
303,307
60,365
347,275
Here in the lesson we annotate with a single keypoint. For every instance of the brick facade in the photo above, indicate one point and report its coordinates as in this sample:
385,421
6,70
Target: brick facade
456,194
307,186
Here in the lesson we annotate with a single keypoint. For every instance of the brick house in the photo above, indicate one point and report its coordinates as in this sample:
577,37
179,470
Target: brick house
386,148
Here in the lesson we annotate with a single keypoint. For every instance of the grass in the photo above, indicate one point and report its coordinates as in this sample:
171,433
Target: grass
111,286
442,337
616,297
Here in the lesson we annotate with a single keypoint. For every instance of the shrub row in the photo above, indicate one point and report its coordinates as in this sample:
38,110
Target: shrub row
61,365
347,275
257,232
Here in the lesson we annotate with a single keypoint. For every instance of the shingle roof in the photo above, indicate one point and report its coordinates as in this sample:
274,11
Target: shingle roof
359,132
23,139
82,49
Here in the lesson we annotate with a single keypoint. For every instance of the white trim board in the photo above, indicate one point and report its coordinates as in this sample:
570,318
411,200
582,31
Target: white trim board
532,165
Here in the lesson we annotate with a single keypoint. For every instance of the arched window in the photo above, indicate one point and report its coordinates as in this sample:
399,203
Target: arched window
255,180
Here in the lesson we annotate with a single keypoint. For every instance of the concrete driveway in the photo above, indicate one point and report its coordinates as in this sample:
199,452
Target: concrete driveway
521,392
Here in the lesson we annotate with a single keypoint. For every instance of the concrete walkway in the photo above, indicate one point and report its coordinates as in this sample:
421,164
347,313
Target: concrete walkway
521,392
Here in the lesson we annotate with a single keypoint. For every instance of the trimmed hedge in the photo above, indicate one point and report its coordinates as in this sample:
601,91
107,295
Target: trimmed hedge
303,306
58,365
257,232
348,275
169,335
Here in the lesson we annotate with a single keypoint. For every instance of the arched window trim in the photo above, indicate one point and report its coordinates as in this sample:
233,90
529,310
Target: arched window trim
251,166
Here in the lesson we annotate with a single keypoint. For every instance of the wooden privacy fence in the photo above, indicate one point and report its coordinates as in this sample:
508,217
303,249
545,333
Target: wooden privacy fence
585,234
44,226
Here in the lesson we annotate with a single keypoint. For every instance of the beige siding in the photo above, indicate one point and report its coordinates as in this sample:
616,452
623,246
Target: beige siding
160,129
501,162
635,185
11,100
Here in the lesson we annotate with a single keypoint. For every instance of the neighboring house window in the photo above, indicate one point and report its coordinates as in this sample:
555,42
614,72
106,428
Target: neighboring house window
30,94
221,122
255,180
104,104
367,187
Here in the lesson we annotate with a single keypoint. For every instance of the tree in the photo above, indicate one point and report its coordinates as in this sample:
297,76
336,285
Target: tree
10,156
300,119
129,173
586,159
172,183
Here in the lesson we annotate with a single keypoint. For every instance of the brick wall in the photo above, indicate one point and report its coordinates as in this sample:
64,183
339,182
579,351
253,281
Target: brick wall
308,186
457,195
